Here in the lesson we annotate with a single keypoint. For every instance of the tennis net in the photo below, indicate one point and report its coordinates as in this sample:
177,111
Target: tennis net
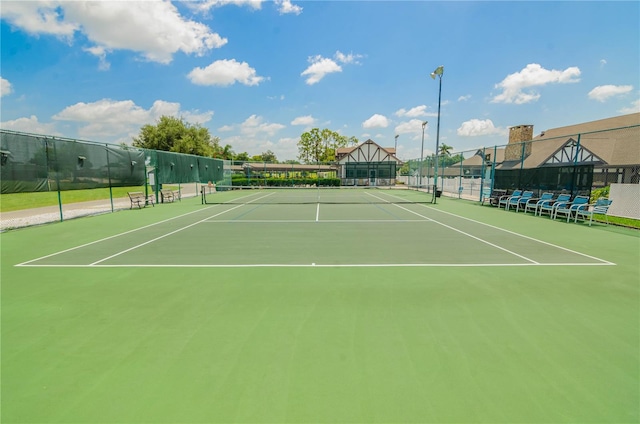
312,195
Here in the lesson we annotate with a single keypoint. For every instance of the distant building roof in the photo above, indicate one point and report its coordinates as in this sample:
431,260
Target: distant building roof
613,142
368,151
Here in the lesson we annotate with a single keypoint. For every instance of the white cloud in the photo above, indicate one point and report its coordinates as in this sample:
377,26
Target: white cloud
321,66
376,121
209,4
224,73
602,63
30,125
478,127
286,148
285,6
413,127
533,75
196,117
101,54
254,126
464,98
634,108
414,112
256,136
347,58
304,120
604,92
110,118
155,29
5,87
38,18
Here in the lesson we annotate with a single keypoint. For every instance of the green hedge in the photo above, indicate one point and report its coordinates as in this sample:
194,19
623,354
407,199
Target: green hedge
598,193
288,182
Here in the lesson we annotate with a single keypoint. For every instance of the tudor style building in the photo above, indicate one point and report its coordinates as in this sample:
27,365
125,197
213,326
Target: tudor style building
611,146
367,164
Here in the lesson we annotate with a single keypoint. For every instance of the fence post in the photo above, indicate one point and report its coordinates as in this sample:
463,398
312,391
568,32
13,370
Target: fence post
109,177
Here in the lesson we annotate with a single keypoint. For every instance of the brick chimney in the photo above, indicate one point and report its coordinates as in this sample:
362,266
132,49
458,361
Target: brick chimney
517,136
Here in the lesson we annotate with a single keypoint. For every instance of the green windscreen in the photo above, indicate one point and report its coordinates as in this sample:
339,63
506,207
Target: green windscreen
576,180
34,163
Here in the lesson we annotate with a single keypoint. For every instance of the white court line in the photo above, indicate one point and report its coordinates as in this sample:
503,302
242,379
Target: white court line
113,236
175,231
425,219
316,265
512,233
463,233
324,221
523,236
116,235
318,213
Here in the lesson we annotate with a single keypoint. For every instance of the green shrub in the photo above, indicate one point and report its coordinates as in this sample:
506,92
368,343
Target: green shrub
599,193
286,182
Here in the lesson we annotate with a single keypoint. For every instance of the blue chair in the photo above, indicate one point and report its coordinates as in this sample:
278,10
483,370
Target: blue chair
587,211
506,198
533,204
522,201
546,206
569,208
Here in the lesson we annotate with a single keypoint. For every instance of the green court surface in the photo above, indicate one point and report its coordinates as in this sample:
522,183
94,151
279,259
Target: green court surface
351,310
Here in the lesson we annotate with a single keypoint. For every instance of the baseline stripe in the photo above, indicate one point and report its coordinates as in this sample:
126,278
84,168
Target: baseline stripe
316,265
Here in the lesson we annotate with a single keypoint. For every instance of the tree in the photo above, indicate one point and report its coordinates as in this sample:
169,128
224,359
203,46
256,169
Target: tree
173,134
445,153
320,146
242,156
445,149
269,156
226,152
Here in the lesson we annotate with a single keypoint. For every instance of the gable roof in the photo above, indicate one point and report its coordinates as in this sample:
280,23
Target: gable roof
347,150
611,141
586,127
615,141
368,151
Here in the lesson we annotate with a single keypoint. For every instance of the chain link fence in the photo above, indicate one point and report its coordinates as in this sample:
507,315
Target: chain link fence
570,163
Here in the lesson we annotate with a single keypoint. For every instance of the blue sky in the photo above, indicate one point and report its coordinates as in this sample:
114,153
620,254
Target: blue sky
258,74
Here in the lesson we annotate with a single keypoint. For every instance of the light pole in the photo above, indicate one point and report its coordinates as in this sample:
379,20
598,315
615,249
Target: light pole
439,71
424,124
395,153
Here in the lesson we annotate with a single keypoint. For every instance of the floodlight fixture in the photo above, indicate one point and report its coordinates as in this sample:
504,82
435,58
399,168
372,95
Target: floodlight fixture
439,71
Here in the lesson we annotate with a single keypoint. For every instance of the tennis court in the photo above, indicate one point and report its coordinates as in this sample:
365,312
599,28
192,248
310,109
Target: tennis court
312,305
